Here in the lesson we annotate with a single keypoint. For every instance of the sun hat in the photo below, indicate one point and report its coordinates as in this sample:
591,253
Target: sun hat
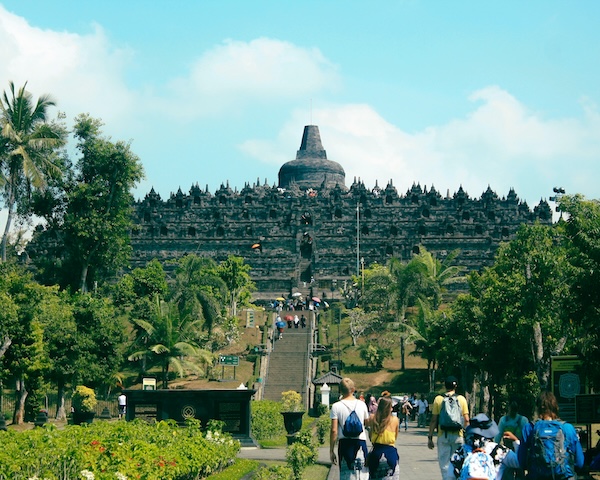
481,425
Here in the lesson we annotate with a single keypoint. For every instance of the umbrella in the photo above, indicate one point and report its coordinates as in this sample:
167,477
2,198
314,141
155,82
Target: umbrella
280,324
326,304
316,299
256,245
281,299
296,294
289,317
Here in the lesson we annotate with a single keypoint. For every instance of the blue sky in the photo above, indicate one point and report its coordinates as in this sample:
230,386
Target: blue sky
471,93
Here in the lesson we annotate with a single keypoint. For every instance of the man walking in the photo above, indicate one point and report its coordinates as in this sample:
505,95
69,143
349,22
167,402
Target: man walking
450,415
352,448
122,401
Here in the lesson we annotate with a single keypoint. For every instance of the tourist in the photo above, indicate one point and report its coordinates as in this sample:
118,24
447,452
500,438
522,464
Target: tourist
383,460
515,423
303,321
422,408
449,438
351,452
296,321
406,411
122,403
548,421
371,404
479,437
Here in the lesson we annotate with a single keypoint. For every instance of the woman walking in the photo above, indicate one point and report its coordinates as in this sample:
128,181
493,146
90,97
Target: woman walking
383,460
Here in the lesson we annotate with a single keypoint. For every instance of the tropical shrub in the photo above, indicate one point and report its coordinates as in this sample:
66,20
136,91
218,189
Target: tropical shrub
274,472
84,399
291,401
323,427
115,450
266,421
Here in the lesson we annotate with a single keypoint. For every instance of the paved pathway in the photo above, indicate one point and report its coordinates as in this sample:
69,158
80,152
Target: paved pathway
416,460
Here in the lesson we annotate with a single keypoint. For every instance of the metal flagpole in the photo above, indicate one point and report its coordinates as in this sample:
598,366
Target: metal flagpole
358,240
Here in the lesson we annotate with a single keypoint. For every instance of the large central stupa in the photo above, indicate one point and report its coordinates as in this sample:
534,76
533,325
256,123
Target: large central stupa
311,169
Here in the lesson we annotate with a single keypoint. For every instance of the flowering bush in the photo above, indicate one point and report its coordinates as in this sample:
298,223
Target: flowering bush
115,451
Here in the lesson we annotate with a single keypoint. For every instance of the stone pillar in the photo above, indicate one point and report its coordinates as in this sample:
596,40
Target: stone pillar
325,390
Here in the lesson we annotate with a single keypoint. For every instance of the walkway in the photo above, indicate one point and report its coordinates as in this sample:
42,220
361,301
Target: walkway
416,460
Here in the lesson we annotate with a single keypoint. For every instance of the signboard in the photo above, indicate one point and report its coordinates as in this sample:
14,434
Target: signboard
249,318
148,383
567,383
588,409
231,360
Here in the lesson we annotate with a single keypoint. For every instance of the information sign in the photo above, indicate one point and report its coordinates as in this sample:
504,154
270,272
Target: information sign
231,360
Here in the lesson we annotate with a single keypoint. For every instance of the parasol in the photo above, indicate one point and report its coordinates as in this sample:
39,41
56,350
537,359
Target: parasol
316,299
296,294
281,299
289,317
280,324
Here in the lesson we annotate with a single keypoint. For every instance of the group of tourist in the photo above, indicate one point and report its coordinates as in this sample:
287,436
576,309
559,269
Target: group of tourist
467,448
292,322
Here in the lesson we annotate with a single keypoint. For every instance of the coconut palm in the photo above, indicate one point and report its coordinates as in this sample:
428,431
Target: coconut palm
28,145
171,341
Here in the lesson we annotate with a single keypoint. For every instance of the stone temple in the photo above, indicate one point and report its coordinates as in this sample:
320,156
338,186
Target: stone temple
311,230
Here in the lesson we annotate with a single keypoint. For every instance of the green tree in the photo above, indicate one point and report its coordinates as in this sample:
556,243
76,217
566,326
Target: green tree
101,341
438,275
28,150
98,216
60,343
407,286
25,358
583,230
173,342
199,291
515,318
235,274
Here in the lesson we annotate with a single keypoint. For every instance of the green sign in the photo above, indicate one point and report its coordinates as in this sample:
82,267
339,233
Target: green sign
232,360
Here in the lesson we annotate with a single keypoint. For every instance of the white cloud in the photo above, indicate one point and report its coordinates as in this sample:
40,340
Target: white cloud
235,74
500,143
83,73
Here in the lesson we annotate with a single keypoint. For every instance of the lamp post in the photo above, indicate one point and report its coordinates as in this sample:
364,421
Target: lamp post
558,193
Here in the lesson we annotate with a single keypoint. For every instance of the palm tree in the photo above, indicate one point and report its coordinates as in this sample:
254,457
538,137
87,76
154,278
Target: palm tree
198,291
28,145
407,286
439,274
171,341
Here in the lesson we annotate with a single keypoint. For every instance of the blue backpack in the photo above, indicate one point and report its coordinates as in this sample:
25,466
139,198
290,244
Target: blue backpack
478,465
353,427
548,453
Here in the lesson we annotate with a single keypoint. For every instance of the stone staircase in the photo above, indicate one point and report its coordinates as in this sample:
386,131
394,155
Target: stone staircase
288,363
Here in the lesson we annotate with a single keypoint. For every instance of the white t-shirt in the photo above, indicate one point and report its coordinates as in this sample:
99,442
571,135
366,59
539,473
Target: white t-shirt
342,409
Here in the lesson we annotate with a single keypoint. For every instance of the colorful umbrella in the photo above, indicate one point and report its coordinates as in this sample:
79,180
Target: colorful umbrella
281,299
289,317
280,324
316,299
